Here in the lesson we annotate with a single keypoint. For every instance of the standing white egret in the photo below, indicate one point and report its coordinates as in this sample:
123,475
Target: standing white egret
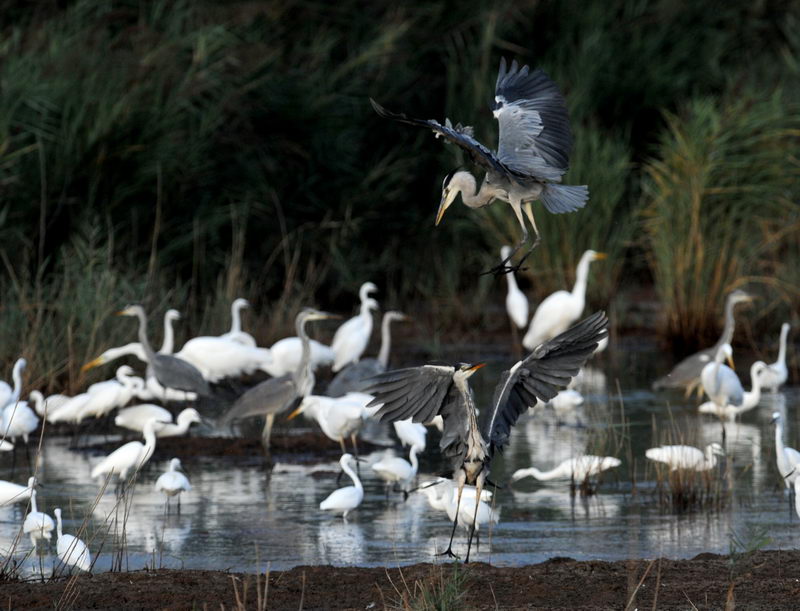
395,470
168,343
16,377
720,382
578,469
411,433
686,374
71,551
352,336
287,353
558,311
776,374
133,455
338,417
19,420
236,334
37,524
421,393
532,152
172,482
788,459
110,394
15,493
344,500
686,457
750,399
468,512
135,417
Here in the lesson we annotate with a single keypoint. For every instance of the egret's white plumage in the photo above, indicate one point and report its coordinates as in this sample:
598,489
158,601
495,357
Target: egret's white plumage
71,551
686,457
516,302
338,417
577,469
236,334
396,470
558,311
750,398
37,524
720,382
131,456
135,417
19,420
352,337
466,509
776,374
172,482
15,493
16,376
287,352
788,459
217,358
344,500
411,433
110,394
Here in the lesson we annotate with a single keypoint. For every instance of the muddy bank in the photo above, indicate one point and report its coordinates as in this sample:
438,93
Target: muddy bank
765,580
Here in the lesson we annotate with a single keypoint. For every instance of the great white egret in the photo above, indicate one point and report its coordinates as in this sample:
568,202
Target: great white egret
578,469
19,420
750,399
686,374
532,153
172,482
338,417
107,396
135,417
395,470
236,334
131,456
776,374
37,524
411,433
15,493
558,311
788,459
344,500
516,302
352,336
421,393
352,377
12,395
720,382
279,394
686,457
71,551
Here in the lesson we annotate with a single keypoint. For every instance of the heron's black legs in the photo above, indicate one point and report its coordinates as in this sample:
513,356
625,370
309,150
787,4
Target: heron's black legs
503,267
478,490
449,550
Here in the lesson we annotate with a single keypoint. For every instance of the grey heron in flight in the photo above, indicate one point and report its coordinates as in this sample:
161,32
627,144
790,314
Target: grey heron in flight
420,393
531,158
170,371
686,374
277,395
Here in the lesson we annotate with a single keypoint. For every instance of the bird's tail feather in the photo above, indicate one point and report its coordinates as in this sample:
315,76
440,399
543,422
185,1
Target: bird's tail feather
562,198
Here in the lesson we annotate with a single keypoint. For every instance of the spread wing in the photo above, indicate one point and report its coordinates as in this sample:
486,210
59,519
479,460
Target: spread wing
459,135
420,393
541,375
535,137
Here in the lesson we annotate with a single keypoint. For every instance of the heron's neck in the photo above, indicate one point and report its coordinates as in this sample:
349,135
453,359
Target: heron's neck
782,348
148,350
168,345
303,376
472,198
356,482
386,341
581,279
730,324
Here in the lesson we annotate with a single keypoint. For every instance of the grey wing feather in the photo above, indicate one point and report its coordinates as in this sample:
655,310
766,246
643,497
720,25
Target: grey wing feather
541,375
173,372
353,377
535,137
269,397
687,372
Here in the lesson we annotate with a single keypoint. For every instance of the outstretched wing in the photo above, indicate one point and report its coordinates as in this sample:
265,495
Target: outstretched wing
420,393
462,136
534,124
540,375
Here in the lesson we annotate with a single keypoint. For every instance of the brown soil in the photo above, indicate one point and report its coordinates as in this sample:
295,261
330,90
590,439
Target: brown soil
766,580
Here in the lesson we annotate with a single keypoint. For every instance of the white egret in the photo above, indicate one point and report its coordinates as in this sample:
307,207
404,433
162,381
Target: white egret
236,334
797,496
110,394
168,343
561,309
172,482
15,493
71,551
398,471
352,337
720,382
19,420
6,393
69,409
578,469
344,500
686,457
750,398
516,302
16,377
776,374
287,353
411,433
338,417
133,455
788,459
37,524
43,406
469,513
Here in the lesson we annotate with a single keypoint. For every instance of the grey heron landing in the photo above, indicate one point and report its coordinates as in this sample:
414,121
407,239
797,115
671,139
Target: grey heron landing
532,153
421,393
277,395
686,374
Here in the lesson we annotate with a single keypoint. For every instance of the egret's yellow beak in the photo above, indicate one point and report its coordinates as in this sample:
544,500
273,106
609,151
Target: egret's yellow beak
295,413
92,364
599,256
730,362
448,196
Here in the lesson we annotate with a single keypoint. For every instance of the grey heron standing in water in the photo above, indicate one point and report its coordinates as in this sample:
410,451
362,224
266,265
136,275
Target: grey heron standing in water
421,393
277,395
531,158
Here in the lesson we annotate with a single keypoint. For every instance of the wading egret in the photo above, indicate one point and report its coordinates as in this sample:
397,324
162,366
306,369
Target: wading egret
398,471
107,396
561,309
37,524
287,353
532,153
344,500
776,374
686,374
338,417
236,334
8,395
516,302
131,456
578,469
686,457
15,493
421,393
720,382
19,420
352,336
172,482
411,433
71,550
277,395
788,459
750,399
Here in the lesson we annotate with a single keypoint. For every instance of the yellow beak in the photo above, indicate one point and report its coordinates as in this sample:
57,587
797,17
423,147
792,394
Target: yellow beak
92,364
730,362
478,366
295,413
600,256
444,204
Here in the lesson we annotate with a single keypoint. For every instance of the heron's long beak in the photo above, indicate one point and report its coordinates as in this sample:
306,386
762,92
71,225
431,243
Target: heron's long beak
599,256
476,367
730,362
92,364
447,198
125,312
295,413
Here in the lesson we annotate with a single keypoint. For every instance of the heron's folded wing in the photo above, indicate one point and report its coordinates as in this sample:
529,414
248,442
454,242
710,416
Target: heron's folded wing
269,397
541,375
461,136
535,137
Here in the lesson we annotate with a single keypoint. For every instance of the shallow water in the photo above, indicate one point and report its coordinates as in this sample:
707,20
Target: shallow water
243,517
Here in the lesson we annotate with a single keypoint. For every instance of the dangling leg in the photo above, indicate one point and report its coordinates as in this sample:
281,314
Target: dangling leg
503,267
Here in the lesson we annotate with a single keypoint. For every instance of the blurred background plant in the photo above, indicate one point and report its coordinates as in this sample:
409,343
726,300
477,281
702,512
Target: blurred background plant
182,154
